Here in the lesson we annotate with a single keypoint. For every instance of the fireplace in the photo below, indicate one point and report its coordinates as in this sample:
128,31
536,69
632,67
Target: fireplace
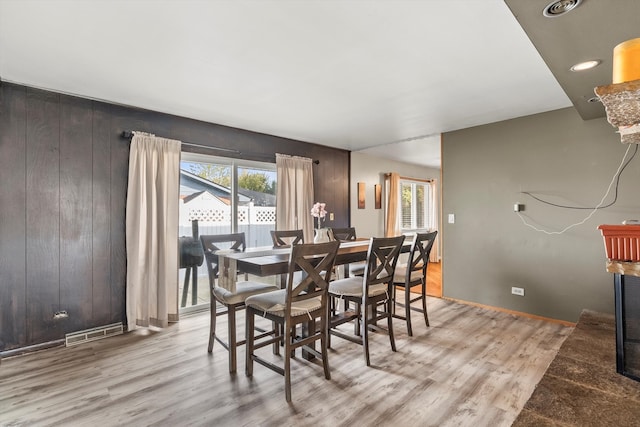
627,302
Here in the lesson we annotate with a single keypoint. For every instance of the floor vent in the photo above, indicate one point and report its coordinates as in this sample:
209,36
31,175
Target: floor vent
93,334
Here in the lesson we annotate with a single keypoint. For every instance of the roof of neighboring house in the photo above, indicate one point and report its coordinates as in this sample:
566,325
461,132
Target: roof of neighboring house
224,200
189,180
259,199
190,197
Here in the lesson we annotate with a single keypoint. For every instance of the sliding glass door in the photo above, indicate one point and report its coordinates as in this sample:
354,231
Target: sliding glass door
220,195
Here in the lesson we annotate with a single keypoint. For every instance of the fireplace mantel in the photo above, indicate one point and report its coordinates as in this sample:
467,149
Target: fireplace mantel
624,267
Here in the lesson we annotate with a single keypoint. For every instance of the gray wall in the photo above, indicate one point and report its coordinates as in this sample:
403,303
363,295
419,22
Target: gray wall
488,250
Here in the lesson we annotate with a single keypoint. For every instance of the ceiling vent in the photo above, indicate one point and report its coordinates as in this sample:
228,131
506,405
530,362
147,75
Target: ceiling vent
560,7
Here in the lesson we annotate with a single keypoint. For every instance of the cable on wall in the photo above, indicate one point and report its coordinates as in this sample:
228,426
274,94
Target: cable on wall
615,178
615,199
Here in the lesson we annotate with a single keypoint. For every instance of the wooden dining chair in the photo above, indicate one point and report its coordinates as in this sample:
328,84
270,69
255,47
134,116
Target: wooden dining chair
286,238
414,273
301,302
343,234
369,293
233,301
348,234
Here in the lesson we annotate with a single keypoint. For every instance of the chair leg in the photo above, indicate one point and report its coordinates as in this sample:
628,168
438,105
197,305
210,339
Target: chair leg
407,309
287,361
365,334
357,324
249,333
231,310
276,344
185,287
308,329
333,305
324,336
387,306
292,336
393,297
329,314
424,302
212,323
194,285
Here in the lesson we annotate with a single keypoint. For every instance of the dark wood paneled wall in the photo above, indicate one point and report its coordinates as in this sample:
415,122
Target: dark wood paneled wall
63,183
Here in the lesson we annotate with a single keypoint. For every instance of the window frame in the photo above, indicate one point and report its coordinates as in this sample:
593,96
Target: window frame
427,184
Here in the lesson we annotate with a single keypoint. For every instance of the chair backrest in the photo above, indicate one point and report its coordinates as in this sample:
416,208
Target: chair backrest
419,256
215,242
344,234
286,238
382,258
316,262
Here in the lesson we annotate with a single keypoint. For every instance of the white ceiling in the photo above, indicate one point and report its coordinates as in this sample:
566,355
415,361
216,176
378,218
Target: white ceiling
352,74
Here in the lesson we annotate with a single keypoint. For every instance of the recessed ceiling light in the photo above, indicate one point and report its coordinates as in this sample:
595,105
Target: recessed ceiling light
586,65
560,7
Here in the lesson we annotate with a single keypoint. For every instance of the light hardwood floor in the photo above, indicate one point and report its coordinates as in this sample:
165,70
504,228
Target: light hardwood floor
434,280
472,367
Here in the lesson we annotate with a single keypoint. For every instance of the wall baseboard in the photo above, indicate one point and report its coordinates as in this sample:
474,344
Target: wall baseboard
515,313
30,348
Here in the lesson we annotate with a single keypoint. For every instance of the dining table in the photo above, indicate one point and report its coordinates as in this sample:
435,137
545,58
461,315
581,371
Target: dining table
270,261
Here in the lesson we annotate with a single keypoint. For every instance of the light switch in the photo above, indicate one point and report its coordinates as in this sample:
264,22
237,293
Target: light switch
452,218
330,216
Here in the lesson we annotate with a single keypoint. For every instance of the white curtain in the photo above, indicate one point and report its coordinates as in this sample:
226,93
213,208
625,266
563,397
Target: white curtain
294,194
434,256
392,224
152,230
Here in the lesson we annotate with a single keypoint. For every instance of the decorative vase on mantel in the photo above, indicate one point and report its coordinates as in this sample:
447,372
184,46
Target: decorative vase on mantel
321,235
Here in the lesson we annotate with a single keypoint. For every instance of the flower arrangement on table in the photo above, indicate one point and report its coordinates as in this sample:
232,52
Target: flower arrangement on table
320,234
318,211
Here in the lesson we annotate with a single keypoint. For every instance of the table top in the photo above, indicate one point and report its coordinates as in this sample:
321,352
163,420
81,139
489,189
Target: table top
269,261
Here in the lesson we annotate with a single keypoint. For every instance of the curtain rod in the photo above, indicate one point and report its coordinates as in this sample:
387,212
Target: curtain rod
388,175
127,134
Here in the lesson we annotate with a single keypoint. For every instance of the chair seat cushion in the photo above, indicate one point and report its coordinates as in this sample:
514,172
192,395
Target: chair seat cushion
274,303
352,287
400,275
243,290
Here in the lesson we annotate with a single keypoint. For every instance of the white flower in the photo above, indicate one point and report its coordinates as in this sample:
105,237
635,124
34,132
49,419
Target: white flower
318,211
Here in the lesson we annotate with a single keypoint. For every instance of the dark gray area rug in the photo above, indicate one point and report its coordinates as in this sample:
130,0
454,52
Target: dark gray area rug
581,386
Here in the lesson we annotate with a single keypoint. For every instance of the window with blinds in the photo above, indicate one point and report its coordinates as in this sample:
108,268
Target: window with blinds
416,209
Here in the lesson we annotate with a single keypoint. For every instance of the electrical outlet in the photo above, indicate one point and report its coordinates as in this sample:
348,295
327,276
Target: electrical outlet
517,291
62,314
